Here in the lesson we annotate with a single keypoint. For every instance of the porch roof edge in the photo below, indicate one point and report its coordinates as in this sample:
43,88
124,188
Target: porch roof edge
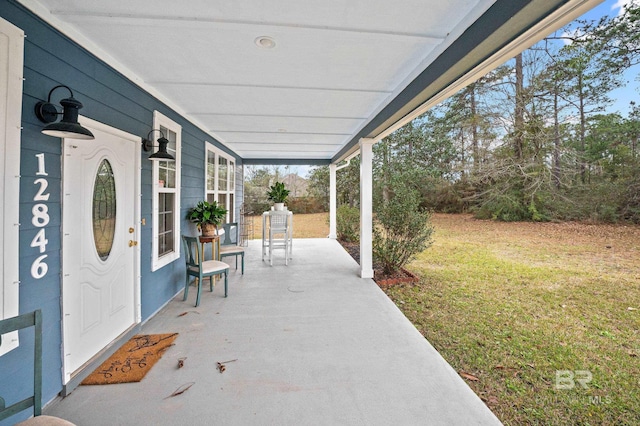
286,161
506,28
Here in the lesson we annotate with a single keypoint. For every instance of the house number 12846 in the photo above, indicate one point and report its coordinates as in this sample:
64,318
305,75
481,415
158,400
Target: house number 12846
40,219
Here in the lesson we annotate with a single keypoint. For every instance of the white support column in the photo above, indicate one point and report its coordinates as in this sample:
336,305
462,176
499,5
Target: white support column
366,208
332,201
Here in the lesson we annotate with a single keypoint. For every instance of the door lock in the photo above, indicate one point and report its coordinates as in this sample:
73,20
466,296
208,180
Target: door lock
132,243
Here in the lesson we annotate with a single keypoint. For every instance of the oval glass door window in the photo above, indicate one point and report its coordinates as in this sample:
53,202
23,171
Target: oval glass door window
104,210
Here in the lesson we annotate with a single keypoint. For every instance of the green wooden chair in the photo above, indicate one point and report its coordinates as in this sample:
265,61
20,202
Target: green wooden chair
198,268
229,245
33,319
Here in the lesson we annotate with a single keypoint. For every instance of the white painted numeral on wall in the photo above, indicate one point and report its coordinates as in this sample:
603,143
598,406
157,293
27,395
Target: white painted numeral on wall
40,195
40,240
41,170
39,268
40,219
40,215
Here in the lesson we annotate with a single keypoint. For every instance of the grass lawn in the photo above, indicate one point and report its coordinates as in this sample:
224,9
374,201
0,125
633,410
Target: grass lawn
541,319
314,225
528,313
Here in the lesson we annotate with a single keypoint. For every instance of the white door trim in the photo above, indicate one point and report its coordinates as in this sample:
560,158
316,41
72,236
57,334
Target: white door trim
12,68
96,125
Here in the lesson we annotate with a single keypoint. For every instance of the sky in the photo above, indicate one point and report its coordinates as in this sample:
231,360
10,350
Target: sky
622,96
631,92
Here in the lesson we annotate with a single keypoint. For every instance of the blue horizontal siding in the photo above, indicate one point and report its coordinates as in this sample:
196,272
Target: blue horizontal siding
50,59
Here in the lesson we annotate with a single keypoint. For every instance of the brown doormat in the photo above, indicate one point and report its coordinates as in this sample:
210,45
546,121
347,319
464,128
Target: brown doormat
133,360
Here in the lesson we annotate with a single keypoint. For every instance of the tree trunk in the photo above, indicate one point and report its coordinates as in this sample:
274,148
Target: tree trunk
385,171
474,126
583,129
462,156
556,139
518,140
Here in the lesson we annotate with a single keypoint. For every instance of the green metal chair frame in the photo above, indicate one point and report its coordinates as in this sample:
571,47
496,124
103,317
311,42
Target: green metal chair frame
229,246
33,319
198,268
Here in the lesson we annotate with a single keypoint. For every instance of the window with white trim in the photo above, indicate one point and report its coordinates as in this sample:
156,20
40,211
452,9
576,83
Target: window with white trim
221,179
166,195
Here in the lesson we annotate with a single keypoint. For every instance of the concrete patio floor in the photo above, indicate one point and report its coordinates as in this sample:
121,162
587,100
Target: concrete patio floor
314,344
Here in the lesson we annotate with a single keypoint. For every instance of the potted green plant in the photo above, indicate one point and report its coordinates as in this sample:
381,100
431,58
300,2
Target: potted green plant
278,194
208,216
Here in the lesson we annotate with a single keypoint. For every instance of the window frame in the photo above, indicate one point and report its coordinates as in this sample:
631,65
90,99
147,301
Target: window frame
157,261
230,198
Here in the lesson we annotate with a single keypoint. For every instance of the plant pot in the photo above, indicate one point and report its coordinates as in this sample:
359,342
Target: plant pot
278,206
208,229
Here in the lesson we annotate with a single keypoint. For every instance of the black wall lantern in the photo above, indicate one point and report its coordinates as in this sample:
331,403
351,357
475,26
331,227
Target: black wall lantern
161,154
68,127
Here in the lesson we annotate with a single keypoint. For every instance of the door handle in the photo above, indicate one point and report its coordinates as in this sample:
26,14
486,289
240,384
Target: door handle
132,243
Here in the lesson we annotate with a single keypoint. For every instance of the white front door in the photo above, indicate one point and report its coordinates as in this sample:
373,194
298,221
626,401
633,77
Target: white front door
100,251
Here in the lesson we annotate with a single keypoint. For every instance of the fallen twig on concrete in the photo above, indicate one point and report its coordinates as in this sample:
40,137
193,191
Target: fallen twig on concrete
181,389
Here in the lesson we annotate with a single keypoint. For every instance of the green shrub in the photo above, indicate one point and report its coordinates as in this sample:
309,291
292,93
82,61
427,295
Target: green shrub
256,207
401,229
442,196
348,224
630,200
504,207
303,205
512,207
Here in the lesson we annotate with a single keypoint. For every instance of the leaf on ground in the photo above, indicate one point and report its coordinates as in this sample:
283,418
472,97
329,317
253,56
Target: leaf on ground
181,389
469,376
166,348
188,312
499,367
221,366
181,362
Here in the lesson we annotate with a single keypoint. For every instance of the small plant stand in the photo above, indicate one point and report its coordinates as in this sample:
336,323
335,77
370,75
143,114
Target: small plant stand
246,226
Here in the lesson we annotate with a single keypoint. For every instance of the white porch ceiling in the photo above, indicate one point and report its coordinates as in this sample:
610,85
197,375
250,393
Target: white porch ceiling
339,70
